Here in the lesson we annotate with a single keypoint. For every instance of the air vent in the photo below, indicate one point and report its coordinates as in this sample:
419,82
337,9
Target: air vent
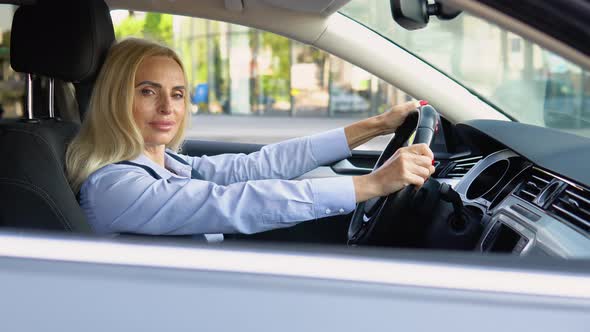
573,205
460,167
533,185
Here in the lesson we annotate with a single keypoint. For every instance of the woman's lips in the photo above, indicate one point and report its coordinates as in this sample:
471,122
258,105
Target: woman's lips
162,125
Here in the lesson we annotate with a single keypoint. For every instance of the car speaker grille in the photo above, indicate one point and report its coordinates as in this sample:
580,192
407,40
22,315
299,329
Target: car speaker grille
573,205
460,167
533,185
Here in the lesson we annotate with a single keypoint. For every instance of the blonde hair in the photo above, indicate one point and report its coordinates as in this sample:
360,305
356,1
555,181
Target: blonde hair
109,133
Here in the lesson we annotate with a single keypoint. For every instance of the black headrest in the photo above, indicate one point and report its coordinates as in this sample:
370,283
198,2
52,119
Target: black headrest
63,39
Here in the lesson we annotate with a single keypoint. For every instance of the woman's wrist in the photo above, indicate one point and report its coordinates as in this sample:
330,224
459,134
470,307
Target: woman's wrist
362,131
381,125
365,187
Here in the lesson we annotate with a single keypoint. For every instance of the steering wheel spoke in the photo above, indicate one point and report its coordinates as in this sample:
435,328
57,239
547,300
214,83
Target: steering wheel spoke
376,218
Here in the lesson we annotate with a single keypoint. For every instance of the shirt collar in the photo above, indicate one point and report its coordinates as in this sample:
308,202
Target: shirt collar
174,168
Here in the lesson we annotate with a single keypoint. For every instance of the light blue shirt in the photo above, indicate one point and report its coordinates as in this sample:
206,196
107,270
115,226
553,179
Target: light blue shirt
238,194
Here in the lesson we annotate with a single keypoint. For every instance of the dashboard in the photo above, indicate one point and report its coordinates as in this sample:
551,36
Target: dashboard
530,201
527,187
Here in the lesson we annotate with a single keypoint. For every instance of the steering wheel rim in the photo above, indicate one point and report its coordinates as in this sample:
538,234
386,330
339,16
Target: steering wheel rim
368,215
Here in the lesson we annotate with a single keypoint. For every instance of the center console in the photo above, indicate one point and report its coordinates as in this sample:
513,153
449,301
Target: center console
506,235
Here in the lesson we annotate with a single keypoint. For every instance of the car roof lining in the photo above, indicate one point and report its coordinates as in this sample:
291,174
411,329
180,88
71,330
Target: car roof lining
322,7
325,8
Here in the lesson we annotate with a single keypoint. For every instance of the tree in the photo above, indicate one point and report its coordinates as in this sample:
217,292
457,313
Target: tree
276,85
154,26
130,27
159,27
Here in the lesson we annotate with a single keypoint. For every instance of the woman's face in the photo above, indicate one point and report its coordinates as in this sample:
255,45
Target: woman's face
158,103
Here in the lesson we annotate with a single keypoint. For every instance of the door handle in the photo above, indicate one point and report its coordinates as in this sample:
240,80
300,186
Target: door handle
346,167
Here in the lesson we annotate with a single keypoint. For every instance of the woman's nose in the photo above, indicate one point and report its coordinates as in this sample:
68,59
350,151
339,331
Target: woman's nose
165,105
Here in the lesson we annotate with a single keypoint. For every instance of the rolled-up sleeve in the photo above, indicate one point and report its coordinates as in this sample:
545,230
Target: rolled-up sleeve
123,199
284,160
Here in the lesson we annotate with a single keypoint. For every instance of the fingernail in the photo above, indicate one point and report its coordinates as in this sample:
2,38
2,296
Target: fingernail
432,162
423,102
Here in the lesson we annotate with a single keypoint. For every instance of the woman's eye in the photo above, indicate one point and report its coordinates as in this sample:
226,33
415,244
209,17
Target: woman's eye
178,95
147,92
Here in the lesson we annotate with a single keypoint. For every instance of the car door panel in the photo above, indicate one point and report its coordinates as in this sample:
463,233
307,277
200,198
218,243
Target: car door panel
288,288
361,162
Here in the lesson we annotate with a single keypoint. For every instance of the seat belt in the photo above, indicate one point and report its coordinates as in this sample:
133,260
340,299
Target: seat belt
194,175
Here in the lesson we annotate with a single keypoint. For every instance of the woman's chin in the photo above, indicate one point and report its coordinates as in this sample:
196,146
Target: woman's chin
160,139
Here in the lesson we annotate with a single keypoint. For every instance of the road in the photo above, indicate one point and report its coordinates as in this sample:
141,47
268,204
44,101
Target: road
270,129
267,129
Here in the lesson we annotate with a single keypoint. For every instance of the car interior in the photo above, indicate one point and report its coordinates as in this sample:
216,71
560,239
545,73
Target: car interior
501,186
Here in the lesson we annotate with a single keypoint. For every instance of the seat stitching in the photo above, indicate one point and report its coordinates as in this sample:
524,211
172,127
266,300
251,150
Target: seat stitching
43,194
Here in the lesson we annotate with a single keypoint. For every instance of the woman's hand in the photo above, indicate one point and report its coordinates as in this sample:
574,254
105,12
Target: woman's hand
393,118
410,165
362,131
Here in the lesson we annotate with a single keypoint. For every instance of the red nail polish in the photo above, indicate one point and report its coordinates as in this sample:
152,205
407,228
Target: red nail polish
423,102
432,162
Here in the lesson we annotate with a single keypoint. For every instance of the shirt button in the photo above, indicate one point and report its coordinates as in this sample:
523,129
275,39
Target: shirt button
341,210
328,211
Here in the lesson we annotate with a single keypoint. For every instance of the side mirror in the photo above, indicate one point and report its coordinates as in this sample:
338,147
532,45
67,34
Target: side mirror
415,14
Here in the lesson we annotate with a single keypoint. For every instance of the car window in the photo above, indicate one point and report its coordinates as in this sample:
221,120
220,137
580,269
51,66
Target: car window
518,76
12,84
253,86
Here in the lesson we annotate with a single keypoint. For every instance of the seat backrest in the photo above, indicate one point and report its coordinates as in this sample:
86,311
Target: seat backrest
34,192
66,40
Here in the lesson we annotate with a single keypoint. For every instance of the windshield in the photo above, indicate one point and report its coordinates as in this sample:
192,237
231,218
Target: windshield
519,77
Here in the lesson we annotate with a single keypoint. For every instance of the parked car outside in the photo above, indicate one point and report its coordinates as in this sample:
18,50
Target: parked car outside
344,101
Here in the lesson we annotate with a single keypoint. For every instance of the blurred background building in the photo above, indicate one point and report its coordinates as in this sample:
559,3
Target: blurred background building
239,72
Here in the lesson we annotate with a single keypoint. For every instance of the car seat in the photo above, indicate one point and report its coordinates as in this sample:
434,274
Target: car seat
59,39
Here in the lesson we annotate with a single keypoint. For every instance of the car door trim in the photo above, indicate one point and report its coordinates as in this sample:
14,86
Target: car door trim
292,264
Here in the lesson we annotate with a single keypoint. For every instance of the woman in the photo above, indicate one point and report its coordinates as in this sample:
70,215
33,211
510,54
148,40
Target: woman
130,180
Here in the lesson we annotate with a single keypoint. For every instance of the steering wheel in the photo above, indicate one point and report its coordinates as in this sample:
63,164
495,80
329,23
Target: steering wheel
381,219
